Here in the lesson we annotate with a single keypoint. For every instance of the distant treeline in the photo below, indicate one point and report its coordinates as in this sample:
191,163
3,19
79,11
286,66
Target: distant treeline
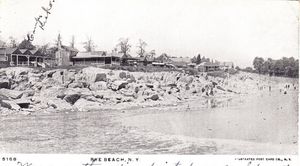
288,67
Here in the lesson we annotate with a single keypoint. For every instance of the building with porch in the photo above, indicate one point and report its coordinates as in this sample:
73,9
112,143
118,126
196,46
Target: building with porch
208,66
20,57
96,58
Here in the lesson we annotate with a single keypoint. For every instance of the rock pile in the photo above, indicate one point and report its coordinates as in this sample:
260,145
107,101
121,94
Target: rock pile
26,89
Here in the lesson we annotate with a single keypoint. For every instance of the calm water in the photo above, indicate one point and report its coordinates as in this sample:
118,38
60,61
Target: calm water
270,118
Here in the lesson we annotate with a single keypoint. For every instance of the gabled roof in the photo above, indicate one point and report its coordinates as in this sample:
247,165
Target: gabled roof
163,58
9,51
23,50
33,52
208,64
181,59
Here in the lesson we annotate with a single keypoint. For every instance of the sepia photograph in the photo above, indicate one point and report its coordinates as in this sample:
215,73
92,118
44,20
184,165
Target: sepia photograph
149,77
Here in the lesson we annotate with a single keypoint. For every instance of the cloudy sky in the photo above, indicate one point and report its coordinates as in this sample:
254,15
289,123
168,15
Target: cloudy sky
228,30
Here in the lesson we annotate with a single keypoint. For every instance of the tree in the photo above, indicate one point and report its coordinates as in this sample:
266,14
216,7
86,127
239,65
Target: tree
26,44
194,59
198,59
44,49
152,54
89,45
12,42
2,44
72,43
58,41
124,46
258,63
141,48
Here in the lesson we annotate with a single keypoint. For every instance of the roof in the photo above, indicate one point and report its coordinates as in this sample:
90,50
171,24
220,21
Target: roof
208,64
32,52
91,54
8,50
114,54
157,63
145,58
163,58
19,51
181,59
23,50
96,54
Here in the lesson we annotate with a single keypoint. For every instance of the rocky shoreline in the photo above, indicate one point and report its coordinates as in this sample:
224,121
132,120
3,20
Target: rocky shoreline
28,90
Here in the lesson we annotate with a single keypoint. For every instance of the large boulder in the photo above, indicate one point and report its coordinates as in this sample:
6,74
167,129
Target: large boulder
100,77
10,105
59,104
154,97
33,78
76,85
4,83
53,92
72,98
90,74
122,75
14,94
85,105
150,85
4,104
101,85
23,103
117,85
59,76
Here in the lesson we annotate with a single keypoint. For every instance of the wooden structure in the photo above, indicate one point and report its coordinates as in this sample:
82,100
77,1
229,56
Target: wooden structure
20,57
96,58
208,66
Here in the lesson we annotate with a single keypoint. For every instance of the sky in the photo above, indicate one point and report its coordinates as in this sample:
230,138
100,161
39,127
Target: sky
223,30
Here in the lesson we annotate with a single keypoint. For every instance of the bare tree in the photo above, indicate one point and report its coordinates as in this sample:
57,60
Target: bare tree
72,43
124,46
89,45
141,48
58,41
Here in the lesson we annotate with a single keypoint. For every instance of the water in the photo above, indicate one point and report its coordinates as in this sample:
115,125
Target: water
269,118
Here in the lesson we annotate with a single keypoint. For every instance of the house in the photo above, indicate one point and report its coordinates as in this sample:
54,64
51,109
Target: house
96,58
64,54
163,58
146,60
208,66
180,62
226,65
20,57
6,54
